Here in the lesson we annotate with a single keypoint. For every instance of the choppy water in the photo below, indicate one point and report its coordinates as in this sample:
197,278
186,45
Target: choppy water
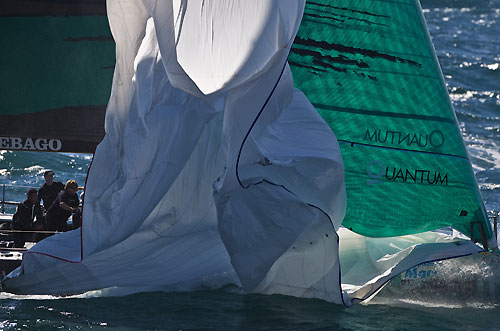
466,37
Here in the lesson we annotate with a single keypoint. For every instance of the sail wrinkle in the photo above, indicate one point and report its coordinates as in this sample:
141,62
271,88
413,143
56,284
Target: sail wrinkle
162,197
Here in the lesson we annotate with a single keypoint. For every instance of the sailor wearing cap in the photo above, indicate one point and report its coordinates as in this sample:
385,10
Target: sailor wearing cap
48,192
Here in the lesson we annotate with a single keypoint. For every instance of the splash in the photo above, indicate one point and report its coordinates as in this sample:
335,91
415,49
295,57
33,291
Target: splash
467,282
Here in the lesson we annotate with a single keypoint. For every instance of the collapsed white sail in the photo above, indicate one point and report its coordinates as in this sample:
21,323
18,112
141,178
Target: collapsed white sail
190,79
214,168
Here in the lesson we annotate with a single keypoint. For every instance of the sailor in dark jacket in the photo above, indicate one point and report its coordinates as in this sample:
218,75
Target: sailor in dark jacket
24,218
49,191
67,203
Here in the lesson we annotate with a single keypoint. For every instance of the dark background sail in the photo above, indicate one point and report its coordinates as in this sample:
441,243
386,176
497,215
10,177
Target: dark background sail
56,75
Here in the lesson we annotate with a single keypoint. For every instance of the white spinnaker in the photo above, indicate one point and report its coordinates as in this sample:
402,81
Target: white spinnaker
190,79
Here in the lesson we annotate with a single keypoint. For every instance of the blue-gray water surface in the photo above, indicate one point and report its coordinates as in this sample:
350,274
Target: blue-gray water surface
466,37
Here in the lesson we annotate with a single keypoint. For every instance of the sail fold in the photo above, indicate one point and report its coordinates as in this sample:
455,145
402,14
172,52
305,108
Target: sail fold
209,151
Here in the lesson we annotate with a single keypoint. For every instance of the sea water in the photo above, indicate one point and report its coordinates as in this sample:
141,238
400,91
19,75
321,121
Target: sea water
464,295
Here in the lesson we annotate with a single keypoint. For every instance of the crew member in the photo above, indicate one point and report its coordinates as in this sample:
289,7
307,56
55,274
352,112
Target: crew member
67,202
24,216
49,191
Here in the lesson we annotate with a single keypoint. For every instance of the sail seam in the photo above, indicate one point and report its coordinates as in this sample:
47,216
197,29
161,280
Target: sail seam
403,149
384,113
253,124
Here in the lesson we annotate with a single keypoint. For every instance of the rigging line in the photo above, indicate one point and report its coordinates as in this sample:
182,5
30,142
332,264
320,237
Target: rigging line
255,121
404,149
397,73
264,180
83,203
396,2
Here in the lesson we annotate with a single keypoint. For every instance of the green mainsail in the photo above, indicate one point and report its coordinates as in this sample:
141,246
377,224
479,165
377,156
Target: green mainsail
369,68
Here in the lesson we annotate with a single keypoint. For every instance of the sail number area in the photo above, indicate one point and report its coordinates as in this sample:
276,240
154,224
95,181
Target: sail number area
416,176
378,170
434,139
30,144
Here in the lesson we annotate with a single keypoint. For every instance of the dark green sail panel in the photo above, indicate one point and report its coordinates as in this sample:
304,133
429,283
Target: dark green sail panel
56,75
369,68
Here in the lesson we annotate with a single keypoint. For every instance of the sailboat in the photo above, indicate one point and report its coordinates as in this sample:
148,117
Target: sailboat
215,170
